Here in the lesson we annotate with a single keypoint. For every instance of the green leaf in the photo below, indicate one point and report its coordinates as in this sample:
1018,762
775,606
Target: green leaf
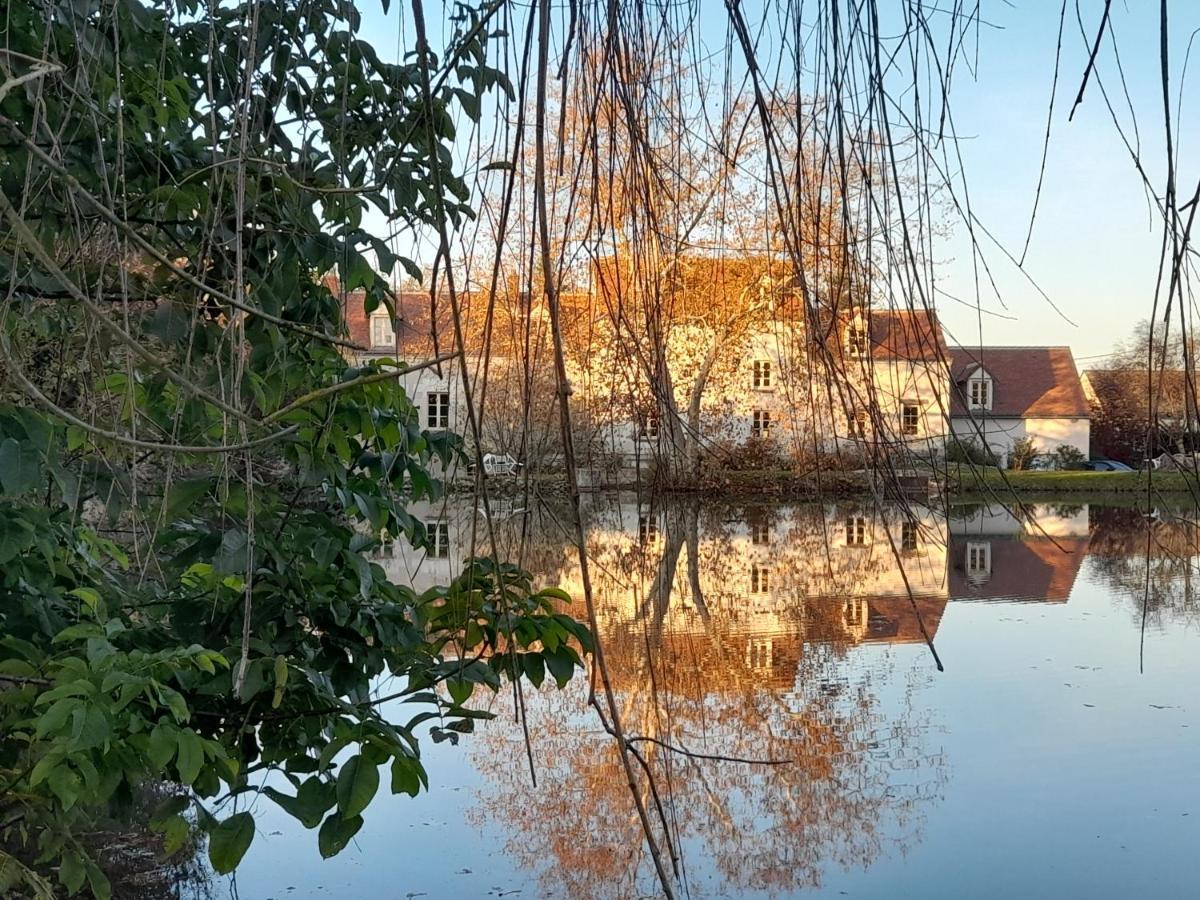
535,668
356,786
460,690
561,664
229,842
175,834
20,467
71,872
555,593
312,801
162,746
336,833
281,677
89,728
406,778
191,756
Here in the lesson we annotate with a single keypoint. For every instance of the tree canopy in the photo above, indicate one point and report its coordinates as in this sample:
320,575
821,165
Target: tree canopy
193,478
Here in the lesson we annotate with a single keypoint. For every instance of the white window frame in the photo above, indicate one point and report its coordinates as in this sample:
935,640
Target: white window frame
438,536
647,529
760,423
907,429
852,612
437,409
761,375
978,560
860,424
856,531
383,331
760,533
858,340
979,393
649,428
760,653
760,579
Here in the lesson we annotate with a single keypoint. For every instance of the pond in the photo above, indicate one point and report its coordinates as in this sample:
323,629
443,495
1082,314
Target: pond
779,667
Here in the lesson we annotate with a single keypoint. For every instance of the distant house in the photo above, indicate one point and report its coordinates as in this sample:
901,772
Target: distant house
1000,395
1137,414
993,554
409,336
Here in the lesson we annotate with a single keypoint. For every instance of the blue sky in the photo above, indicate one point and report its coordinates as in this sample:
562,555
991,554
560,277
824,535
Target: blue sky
1095,244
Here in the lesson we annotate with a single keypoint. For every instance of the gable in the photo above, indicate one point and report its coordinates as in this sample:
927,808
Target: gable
1027,382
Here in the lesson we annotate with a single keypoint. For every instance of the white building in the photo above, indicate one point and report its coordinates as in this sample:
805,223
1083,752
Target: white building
1000,395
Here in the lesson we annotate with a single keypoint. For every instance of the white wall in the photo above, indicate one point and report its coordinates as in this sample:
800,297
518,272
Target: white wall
1049,434
1046,433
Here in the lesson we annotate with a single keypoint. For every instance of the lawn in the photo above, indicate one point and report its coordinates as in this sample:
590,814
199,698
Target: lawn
985,480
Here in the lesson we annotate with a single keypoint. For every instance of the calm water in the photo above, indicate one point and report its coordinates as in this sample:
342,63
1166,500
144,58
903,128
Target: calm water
1058,754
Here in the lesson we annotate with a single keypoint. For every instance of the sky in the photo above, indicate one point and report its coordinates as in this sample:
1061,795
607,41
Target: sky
1095,249
1090,272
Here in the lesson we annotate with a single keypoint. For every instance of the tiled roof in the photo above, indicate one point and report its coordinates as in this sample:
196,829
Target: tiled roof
1038,568
1026,381
914,335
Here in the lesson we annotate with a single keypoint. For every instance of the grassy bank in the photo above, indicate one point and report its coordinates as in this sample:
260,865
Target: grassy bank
985,481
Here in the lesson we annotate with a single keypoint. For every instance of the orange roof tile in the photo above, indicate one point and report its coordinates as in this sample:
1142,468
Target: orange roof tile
1027,381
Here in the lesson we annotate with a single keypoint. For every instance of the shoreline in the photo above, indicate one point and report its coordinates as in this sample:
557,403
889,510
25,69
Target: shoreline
964,483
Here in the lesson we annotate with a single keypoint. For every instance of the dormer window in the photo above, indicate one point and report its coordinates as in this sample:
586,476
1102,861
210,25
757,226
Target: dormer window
979,561
979,389
383,332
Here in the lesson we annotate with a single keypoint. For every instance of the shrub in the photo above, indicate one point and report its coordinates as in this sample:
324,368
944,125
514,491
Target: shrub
1067,457
1022,454
757,454
969,451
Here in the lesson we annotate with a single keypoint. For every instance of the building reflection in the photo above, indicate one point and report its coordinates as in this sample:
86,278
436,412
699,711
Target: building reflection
788,636
1032,555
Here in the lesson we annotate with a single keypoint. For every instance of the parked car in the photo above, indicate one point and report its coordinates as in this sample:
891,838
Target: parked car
498,464
1106,465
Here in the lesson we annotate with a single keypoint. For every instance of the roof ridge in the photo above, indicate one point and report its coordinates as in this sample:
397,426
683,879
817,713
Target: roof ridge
1012,347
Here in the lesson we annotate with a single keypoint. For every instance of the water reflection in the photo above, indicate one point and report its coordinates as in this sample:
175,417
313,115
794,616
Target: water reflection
1054,757
747,633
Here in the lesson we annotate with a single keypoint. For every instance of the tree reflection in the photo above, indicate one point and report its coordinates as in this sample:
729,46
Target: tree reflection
1149,560
721,662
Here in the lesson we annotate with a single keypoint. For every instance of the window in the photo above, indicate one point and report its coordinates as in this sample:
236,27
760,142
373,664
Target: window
438,537
853,612
761,378
760,579
438,409
760,423
910,419
647,529
382,332
760,533
909,537
980,394
648,429
857,341
979,561
760,653
862,422
856,531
